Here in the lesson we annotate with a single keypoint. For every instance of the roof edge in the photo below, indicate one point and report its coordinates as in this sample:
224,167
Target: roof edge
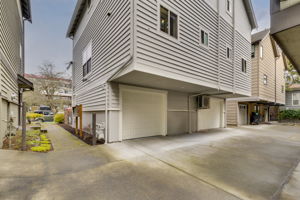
26,10
76,15
251,13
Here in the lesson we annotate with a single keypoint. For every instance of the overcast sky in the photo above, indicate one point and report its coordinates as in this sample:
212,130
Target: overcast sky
46,36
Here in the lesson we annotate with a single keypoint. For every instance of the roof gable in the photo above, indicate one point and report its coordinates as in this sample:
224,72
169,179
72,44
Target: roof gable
80,7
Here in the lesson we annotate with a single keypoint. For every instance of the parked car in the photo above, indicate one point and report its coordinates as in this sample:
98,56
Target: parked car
48,115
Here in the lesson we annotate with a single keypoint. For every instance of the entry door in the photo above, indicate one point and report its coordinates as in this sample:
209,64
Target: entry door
266,114
144,112
243,115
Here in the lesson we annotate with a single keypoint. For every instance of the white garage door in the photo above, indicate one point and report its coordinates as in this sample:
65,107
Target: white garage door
213,117
144,112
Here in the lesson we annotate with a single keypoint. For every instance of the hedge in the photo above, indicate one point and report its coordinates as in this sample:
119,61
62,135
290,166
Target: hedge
289,115
59,118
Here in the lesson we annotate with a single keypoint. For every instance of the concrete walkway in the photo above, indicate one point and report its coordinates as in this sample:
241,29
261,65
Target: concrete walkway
243,163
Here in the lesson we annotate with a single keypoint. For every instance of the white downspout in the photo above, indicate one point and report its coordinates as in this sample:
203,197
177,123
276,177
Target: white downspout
123,66
106,113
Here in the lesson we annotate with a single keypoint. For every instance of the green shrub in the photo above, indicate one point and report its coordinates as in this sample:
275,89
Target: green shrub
289,115
42,148
33,116
59,118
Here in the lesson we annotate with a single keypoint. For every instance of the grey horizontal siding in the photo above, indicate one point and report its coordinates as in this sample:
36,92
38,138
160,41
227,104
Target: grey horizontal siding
186,56
226,66
10,41
110,38
243,50
11,34
93,99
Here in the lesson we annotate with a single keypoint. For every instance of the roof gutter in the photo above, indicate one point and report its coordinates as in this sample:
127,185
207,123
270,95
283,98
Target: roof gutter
251,14
76,14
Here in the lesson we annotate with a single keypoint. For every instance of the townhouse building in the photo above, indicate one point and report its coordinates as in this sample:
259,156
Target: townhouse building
163,67
268,84
13,14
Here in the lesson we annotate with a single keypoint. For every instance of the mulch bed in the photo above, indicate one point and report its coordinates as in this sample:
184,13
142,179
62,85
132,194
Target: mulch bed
87,138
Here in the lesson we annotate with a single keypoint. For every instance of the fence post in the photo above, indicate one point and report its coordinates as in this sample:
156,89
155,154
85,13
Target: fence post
23,126
94,118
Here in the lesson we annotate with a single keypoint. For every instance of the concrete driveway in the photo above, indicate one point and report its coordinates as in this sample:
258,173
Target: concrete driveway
242,163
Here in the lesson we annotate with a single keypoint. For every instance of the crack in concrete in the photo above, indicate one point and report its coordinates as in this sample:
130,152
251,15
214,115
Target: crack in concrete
286,180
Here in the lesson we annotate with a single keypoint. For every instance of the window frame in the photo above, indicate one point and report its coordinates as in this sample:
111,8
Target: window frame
230,53
206,32
293,99
253,53
265,79
261,52
229,12
170,12
87,62
244,68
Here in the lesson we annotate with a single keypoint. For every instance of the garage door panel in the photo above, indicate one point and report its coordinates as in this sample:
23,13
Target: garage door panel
143,114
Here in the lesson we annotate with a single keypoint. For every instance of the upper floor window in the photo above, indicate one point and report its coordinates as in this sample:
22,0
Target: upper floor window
265,79
253,51
261,52
228,53
244,65
204,37
168,22
296,99
87,60
229,6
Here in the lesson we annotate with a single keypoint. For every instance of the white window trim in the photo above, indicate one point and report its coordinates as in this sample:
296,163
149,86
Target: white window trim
201,28
294,99
265,75
261,52
89,45
246,72
231,53
167,35
229,12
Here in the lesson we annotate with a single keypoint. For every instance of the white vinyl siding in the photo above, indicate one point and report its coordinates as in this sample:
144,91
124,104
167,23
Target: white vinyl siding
10,48
186,57
111,46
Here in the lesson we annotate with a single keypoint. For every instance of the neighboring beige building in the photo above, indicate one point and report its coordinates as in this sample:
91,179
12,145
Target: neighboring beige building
62,89
268,84
13,14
